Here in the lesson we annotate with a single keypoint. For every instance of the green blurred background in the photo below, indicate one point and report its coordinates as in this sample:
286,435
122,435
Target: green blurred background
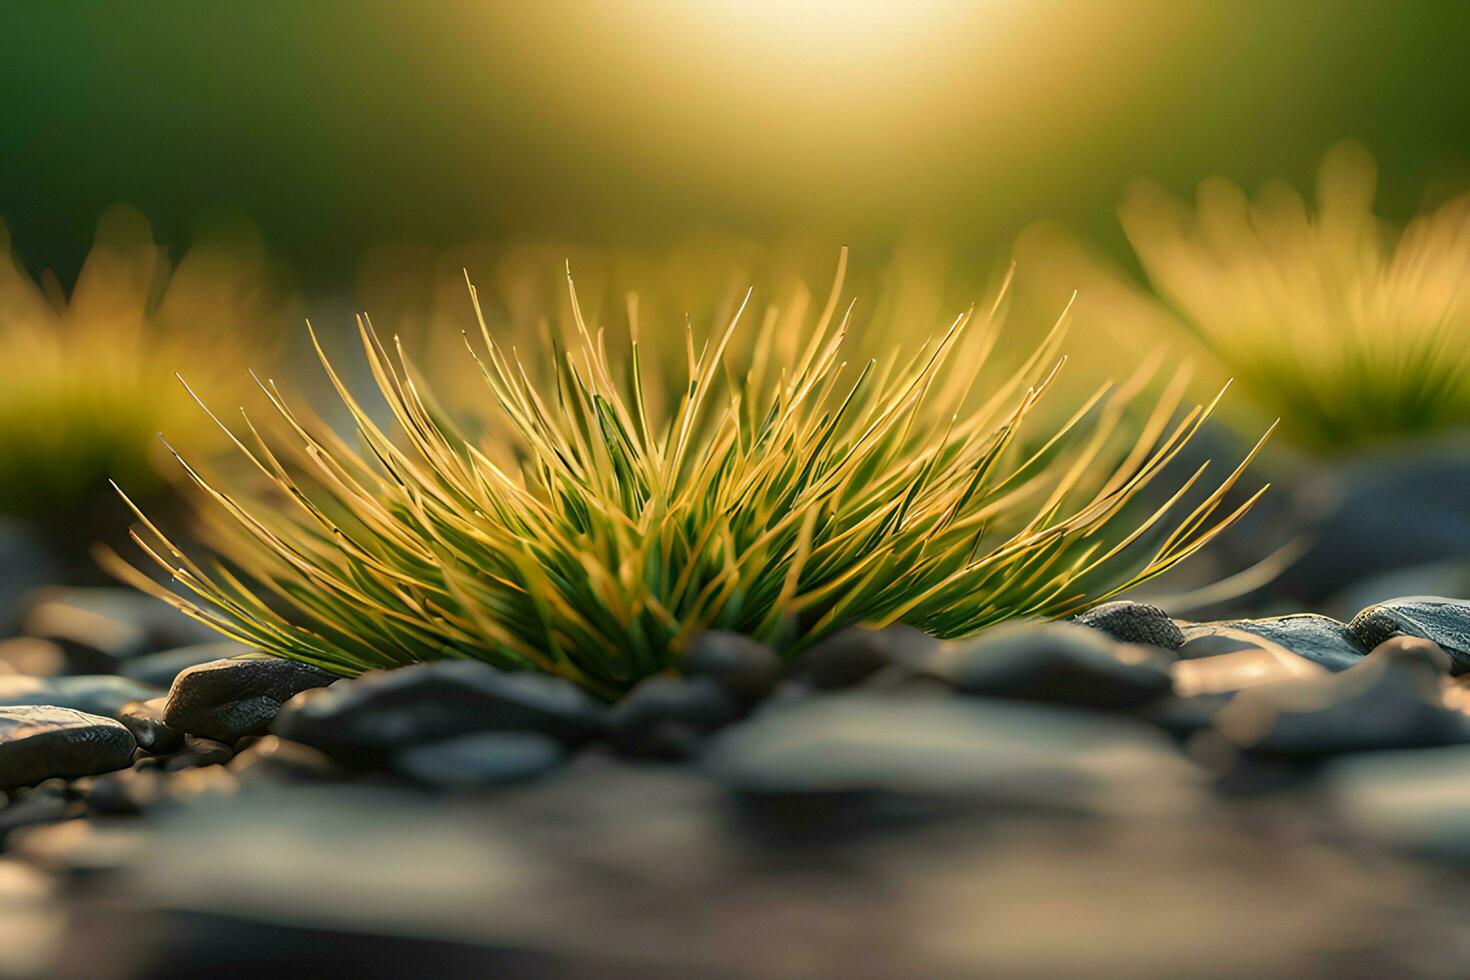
339,126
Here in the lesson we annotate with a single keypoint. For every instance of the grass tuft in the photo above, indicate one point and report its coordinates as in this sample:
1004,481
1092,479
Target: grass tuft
1349,330
88,381
592,535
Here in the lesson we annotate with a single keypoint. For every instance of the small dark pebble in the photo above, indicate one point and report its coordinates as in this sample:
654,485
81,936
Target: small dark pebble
852,655
1133,622
666,717
145,720
198,752
209,752
746,668
1054,662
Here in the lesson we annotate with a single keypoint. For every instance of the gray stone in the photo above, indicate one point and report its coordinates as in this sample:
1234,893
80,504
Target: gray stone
160,669
1319,639
103,694
1053,662
1445,621
480,759
229,699
127,791
1133,622
363,720
1385,702
44,804
40,742
668,717
145,720
199,752
852,655
860,741
746,668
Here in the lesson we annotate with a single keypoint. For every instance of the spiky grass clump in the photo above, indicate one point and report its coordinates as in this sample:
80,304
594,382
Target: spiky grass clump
782,500
87,381
1349,332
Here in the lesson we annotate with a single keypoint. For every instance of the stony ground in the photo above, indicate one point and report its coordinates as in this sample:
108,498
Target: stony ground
1123,795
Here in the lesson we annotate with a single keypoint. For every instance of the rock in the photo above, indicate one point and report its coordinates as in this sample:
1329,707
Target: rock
362,721
160,669
145,720
667,717
199,752
228,699
1319,639
41,742
40,805
276,760
125,792
480,759
1133,622
1053,662
746,668
103,694
1384,702
1445,621
861,741
852,655
33,657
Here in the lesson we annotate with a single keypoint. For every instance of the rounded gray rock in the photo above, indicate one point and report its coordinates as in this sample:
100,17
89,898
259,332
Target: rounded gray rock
1444,621
1054,662
746,668
363,720
41,742
1133,622
228,699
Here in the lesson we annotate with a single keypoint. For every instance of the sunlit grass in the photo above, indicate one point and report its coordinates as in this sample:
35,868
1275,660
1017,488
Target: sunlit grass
1349,330
87,381
592,535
